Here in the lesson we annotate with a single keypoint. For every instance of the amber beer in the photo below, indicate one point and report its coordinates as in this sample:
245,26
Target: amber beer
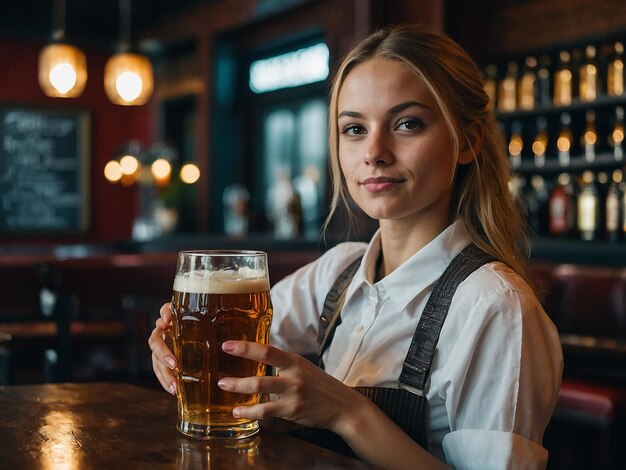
217,296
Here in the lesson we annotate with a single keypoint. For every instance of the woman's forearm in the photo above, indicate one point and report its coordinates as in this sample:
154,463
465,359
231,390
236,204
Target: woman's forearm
378,440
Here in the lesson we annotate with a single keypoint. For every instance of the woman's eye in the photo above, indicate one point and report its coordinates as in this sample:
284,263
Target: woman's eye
353,129
410,124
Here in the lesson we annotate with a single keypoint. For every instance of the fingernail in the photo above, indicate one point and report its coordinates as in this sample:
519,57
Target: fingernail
237,412
170,361
223,383
228,346
173,389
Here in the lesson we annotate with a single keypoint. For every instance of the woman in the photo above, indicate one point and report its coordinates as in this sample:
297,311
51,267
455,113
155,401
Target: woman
413,144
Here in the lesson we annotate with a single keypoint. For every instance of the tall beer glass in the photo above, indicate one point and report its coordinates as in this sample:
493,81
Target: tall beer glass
218,296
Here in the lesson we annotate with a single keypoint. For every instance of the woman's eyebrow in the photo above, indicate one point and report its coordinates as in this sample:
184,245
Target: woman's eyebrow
393,110
352,114
408,104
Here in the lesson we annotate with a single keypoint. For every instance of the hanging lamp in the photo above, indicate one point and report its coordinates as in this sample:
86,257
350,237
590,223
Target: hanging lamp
128,76
62,67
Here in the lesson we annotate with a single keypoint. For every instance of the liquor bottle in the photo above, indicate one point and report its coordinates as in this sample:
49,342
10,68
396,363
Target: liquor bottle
516,144
561,206
526,85
507,90
622,207
564,141
491,84
588,208
536,199
540,143
563,81
616,137
588,76
602,189
612,207
590,136
615,72
544,97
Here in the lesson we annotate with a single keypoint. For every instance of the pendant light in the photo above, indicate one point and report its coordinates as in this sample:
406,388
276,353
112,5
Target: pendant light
62,67
128,76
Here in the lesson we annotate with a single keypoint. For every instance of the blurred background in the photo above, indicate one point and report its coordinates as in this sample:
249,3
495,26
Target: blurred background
132,129
237,96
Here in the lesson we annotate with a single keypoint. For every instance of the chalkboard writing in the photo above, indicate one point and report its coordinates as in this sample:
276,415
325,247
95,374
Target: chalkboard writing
43,171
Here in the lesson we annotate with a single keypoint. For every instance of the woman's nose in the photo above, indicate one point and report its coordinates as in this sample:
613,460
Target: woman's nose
377,151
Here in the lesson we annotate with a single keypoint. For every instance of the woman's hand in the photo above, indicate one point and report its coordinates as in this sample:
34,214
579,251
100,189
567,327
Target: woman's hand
305,394
163,361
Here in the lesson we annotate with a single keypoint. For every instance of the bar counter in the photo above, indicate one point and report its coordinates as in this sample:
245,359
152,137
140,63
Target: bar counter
116,425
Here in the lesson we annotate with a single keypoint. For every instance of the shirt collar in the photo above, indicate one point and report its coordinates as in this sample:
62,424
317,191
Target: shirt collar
419,271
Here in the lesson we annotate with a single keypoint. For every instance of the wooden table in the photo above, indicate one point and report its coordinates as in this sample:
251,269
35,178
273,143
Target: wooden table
119,426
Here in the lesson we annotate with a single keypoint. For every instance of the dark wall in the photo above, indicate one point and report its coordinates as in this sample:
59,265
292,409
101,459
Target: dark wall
112,206
491,30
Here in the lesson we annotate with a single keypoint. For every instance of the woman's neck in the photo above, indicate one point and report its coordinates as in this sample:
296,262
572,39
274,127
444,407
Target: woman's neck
399,243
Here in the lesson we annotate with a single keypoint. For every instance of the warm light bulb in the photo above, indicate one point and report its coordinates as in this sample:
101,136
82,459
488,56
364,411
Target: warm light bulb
113,171
563,144
539,147
62,71
128,79
189,173
516,145
129,164
590,137
128,86
618,135
62,77
161,168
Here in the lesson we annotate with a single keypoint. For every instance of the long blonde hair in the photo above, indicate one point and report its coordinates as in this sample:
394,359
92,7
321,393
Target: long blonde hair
480,194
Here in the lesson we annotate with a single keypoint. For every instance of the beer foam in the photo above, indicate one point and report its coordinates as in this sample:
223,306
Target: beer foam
244,281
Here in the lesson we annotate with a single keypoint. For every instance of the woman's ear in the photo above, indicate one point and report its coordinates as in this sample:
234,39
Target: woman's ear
471,144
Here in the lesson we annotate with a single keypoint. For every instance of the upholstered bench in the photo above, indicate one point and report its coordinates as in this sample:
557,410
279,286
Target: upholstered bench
588,306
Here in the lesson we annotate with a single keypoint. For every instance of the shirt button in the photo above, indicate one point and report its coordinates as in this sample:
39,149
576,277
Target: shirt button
359,328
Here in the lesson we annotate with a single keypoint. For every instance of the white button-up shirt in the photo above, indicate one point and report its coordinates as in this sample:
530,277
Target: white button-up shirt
497,366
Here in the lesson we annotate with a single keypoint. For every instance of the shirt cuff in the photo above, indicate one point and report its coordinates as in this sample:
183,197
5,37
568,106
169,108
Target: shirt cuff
485,450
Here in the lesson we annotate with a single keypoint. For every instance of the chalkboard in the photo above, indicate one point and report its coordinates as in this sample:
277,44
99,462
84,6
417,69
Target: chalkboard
43,171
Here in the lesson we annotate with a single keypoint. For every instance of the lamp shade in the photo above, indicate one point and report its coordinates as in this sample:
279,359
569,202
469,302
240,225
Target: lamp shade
128,79
62,70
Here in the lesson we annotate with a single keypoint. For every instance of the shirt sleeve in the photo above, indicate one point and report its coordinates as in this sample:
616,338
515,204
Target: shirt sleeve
479,449
501,381
298,299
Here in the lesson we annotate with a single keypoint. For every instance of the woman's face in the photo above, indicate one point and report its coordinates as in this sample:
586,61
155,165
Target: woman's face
395,149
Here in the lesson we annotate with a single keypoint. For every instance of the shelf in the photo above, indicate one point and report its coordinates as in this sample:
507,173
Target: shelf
603,161
577,105
598,252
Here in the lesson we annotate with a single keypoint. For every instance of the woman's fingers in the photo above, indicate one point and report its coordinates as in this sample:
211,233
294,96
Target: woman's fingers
159,347
250,385
266,410
306,394
165,375
258,352
166,313
163,361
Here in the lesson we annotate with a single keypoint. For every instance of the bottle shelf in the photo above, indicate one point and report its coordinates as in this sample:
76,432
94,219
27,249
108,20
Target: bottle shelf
602,162
585,206
577,105
564,250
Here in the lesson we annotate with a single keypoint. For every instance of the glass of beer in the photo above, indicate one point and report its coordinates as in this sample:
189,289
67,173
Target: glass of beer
218,296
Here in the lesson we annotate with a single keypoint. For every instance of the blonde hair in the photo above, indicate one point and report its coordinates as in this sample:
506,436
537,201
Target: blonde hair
480,194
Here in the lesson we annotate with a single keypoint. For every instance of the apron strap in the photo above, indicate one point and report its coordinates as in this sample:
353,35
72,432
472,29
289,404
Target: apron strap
406,406
420,356
331,313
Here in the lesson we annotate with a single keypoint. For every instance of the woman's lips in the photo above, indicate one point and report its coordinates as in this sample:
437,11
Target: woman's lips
375,185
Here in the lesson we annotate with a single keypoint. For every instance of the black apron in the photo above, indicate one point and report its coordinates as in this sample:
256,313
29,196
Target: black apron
405,405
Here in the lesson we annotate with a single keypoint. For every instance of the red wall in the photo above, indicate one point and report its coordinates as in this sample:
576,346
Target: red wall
112,206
